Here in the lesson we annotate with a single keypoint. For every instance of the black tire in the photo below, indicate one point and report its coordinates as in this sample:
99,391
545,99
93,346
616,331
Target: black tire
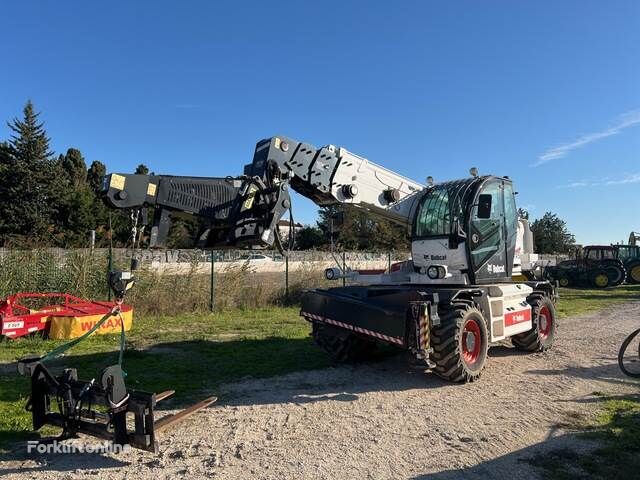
623,350
543,333
460,343
564,281
633,272
597,278
341,345
616,272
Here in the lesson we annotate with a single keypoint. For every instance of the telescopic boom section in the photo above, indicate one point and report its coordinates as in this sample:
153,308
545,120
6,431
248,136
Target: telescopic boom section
245,210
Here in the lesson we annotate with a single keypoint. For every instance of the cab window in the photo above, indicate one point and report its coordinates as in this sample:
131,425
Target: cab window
433,218
486,238
608,254
593,254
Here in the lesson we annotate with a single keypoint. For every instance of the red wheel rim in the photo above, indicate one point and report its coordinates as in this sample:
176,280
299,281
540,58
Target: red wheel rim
471,341
544,322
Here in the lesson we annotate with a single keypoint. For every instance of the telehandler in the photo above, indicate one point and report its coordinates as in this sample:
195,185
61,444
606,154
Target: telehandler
446,305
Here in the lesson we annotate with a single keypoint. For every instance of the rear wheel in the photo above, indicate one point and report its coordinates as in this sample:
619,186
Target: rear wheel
633,275
460,344
616,272
543,333
341,345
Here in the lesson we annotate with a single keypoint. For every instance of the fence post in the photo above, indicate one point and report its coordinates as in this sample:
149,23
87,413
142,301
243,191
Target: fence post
286,277
109,268
388,262
344,268
212,286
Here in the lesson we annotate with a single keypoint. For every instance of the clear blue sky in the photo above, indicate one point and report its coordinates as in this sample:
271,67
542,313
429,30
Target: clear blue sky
547,92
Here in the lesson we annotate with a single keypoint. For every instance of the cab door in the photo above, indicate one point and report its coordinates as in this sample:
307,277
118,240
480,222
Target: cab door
487,239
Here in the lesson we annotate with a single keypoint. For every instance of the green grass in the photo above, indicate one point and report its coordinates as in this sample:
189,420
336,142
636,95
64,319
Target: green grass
617,455
193,354
581,301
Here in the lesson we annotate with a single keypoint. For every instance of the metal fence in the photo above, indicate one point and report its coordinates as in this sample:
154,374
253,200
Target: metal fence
170,281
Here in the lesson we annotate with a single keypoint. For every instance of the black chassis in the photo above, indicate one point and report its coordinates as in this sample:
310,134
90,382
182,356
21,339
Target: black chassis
393,313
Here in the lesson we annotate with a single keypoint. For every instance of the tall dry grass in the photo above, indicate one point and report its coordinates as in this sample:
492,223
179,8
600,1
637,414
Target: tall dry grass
83,273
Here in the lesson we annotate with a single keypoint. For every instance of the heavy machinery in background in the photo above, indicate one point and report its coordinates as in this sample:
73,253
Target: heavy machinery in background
598,266
446,305
634,238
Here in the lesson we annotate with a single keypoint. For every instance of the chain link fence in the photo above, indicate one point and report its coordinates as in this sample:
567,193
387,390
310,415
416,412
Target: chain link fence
177,281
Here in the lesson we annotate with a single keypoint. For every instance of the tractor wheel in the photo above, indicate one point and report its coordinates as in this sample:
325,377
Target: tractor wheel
633,270
543,333
460,344
599,278
341,345
616,272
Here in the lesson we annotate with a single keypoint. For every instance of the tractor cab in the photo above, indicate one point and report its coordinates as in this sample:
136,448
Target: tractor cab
593,254
465,231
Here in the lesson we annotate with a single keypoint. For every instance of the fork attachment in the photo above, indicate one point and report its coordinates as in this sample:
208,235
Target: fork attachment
77,400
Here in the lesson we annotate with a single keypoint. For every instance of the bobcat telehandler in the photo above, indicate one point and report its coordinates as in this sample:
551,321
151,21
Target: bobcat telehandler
454,298
447,305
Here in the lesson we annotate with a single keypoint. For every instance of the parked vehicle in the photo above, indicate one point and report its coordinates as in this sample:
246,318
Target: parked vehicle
597,266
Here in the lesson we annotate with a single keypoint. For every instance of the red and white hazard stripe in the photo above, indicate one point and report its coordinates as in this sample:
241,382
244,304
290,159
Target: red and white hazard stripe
312,317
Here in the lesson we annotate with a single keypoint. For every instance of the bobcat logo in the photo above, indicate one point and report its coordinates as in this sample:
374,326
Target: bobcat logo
434,257
496,268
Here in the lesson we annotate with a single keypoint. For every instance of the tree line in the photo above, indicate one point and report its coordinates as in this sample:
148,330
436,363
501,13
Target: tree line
51,200
54,200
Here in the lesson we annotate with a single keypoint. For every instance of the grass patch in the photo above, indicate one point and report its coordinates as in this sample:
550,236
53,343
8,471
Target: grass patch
617,431
575,301
192,354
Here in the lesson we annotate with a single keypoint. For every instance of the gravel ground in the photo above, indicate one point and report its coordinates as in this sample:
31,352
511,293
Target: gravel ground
383,420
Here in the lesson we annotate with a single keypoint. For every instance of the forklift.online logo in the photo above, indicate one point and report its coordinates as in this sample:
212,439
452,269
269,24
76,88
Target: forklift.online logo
56,447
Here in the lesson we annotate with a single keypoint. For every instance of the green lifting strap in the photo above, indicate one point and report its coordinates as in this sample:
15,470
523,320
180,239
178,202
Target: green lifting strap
63,348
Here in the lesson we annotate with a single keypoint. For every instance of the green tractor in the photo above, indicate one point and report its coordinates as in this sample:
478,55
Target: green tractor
629,255
598,266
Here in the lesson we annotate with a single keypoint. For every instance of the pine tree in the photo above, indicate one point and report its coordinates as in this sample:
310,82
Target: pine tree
74,167
28,198
29,140
95,174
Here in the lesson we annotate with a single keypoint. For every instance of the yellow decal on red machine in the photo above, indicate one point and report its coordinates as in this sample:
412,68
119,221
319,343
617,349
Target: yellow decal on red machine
73,327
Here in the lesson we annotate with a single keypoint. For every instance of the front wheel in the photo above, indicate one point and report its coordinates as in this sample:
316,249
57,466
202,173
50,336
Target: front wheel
460,344
543,333
599,279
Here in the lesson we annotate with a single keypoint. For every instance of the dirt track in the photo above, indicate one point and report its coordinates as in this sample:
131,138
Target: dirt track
383,420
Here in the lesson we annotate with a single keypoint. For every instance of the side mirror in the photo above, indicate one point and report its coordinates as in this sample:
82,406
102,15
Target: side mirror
484,205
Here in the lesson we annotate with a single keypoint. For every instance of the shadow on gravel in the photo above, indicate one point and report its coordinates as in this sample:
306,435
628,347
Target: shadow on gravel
552,456
506,351
92,462
609,372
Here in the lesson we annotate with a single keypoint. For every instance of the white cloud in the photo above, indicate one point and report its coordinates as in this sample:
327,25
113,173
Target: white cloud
608,181
625,120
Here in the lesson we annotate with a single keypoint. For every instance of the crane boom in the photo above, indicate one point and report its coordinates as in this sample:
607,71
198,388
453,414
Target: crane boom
245,210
